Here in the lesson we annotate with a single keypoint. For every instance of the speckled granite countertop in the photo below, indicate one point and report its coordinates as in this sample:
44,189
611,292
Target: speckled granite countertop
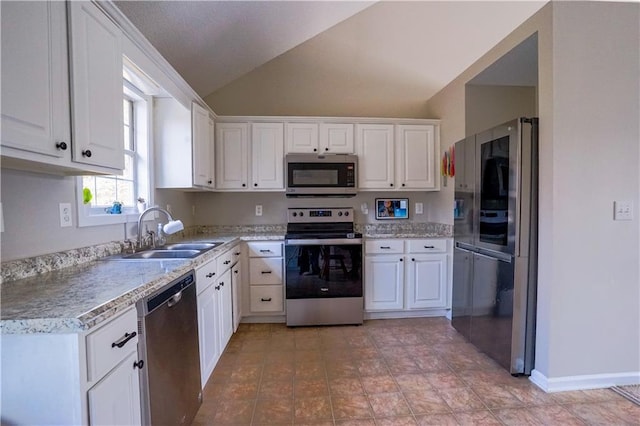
76,298
75,290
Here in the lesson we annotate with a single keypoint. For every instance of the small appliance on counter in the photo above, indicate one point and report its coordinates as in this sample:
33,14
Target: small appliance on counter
323,270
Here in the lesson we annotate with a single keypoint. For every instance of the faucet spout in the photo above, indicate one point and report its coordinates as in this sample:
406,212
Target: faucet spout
176,225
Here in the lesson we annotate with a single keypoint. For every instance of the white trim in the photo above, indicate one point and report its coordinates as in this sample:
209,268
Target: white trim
325,119
587,381
418,313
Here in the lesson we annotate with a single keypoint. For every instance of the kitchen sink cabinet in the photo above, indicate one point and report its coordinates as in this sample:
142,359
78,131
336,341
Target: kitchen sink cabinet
184,145
407,275
401,157
320,138
61,102
83,378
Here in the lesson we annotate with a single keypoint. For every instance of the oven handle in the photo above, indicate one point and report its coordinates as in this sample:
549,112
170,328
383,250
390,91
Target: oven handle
324,242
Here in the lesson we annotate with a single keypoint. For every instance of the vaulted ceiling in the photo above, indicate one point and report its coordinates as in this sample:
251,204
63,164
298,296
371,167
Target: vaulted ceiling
392,50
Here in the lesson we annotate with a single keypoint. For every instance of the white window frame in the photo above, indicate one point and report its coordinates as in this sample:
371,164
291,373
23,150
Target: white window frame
142,116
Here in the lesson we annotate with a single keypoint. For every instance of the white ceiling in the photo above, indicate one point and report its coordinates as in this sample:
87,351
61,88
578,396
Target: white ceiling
420,46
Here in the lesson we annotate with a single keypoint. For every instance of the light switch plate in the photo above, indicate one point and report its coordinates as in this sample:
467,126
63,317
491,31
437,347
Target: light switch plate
65,215
623,210
258,209
419,208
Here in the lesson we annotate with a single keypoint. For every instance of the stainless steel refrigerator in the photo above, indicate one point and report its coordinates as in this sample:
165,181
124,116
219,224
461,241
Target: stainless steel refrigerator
495,242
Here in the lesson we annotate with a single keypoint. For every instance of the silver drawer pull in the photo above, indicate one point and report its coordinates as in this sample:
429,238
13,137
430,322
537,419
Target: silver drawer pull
266,272
264,299
123,341
325,289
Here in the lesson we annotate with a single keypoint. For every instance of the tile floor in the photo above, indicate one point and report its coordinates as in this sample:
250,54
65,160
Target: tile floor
387,372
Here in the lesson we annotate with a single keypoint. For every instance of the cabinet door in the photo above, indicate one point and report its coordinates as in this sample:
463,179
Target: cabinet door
208,329
115,400
301,137
35,80
416,159
225,315
201,142
96,87
232,155
426,281
374,146
384,282
236,294
267,148
336,138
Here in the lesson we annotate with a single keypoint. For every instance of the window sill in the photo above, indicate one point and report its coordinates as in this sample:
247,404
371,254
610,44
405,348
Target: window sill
85,218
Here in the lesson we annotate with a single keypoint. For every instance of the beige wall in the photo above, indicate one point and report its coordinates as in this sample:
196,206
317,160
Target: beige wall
588,331
489,106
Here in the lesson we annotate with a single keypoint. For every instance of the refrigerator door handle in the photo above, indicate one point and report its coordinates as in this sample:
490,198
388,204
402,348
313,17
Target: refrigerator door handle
503,258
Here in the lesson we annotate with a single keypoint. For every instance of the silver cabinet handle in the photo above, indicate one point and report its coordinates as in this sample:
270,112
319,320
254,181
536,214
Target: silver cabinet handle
325,289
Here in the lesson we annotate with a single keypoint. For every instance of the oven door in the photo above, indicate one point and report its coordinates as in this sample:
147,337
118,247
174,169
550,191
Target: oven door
323,268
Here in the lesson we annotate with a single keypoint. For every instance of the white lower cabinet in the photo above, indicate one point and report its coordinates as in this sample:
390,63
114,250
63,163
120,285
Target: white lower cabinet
115,400
404,275
73,378
266,278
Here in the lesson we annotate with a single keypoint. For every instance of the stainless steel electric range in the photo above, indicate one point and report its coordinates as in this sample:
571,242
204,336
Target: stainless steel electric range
323,267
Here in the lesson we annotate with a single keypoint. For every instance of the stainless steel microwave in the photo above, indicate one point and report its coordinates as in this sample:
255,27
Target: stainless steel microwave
312,175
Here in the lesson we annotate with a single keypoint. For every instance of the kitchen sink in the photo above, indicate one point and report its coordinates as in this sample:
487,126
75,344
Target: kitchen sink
163,254
191,246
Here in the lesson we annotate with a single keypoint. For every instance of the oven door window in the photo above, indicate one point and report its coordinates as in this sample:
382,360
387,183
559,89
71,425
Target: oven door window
323,271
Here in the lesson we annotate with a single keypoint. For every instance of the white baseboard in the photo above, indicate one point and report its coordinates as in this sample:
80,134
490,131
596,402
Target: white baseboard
257,319
406,314
588,381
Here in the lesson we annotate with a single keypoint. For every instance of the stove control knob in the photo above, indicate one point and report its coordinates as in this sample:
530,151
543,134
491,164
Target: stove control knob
301,214
339,213
346,213
294,214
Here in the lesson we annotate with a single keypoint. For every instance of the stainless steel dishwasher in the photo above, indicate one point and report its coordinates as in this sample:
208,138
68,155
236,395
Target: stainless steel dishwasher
171,392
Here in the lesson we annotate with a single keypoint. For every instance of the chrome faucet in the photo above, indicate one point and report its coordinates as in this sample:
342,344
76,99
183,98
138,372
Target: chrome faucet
170,227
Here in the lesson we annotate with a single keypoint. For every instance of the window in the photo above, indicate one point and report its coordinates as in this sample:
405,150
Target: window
135,179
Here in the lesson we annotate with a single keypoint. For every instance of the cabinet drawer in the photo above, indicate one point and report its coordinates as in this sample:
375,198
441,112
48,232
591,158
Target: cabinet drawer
264,271
427,246
103,352
225,260
264,249
266,298
384,246
206,276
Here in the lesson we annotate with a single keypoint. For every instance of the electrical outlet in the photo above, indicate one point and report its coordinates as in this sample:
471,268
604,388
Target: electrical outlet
65,215
623,210
258,210
419,208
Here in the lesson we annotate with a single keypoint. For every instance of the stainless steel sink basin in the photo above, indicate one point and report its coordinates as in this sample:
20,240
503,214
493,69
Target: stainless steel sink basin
192,246
163,254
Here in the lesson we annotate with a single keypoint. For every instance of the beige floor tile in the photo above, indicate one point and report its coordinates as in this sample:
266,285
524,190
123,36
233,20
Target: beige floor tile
570,397
273,412
625,409
234,412
275,389
413,382
555,415
595,413
371,367
476,418
388,405
304,388
356,422
346,386
461,399
343,368
517,417
310,370
351,407
240,390
312,409
426,402
444,379
437,420
496,396
379,384
396,421
246,373
530,394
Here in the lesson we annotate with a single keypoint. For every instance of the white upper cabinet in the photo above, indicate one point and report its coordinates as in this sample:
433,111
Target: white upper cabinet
416,157
336,138
96,87
374,146
267,159
203,164
35,86
232,155
302,137
183,145
250,156
320,138
404,161
37,101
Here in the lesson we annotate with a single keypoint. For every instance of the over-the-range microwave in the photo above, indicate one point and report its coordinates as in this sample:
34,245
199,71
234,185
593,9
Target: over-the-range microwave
313,175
